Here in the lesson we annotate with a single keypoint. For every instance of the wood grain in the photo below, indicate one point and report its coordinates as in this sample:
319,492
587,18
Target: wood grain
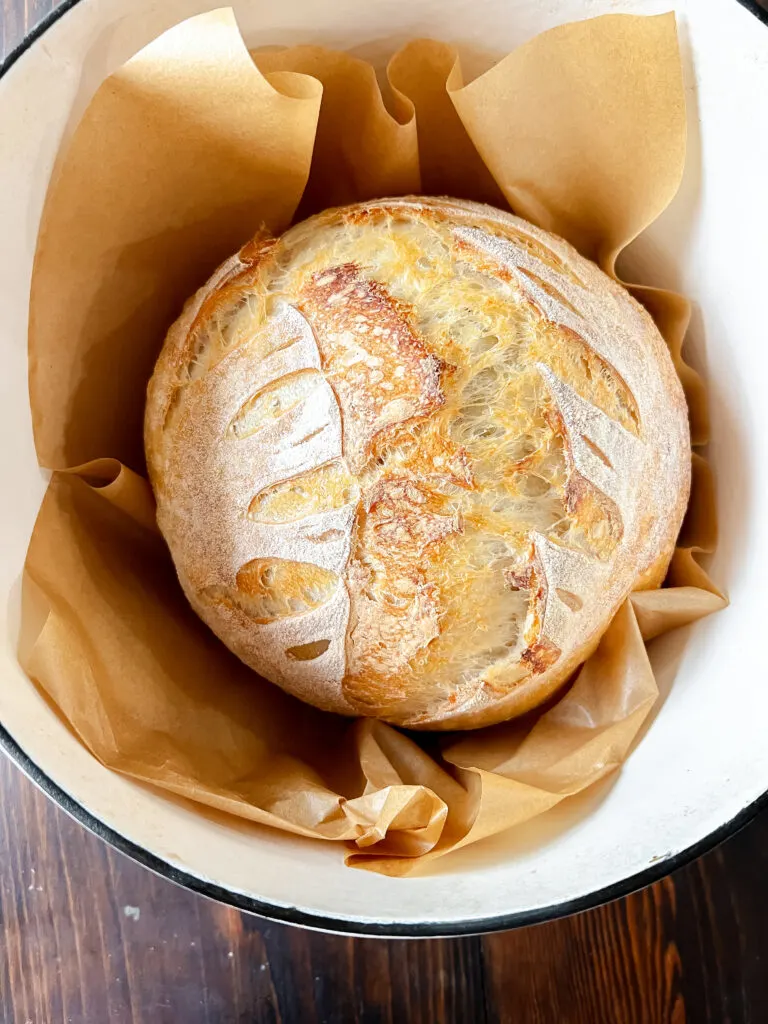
89,937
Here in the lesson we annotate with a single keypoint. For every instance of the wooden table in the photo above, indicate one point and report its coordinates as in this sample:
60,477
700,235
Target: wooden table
89,937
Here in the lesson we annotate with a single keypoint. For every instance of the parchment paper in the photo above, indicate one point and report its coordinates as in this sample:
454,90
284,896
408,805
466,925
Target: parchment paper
181,156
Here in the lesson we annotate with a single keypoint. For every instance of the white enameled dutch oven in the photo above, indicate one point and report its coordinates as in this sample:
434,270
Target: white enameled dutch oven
701,770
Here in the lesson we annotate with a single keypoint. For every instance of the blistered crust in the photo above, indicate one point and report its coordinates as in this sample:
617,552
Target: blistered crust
411,457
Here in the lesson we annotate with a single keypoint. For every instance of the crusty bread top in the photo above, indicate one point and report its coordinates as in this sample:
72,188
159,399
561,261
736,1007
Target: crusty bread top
410,457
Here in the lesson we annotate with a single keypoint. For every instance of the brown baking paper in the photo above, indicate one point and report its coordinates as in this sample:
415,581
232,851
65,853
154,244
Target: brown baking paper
180,157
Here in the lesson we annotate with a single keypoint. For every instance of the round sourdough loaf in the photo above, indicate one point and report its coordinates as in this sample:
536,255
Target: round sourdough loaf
410,458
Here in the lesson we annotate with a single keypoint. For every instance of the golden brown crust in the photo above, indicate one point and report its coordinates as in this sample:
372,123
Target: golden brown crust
372,356
412,456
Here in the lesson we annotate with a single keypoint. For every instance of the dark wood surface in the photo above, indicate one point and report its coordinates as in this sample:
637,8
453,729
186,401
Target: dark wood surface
89,937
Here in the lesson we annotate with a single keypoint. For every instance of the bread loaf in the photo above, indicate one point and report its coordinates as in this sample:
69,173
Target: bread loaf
410,458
